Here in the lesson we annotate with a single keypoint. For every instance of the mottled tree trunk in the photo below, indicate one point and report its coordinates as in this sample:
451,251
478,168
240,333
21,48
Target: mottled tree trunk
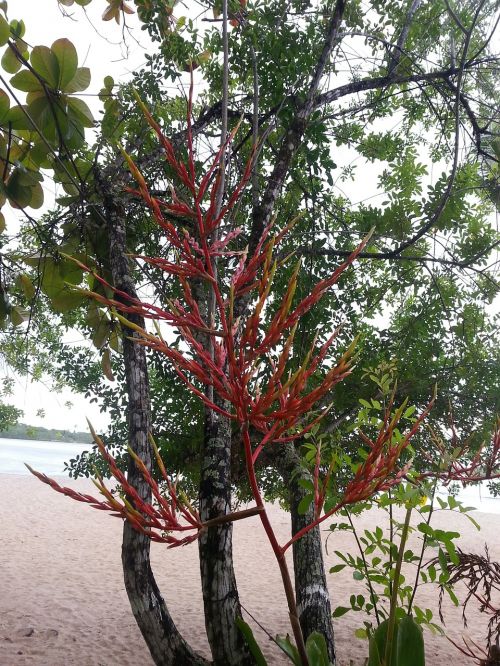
313,600
167,646
220,593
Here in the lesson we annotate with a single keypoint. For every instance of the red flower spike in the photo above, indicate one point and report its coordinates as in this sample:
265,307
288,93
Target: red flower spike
483,466
279,409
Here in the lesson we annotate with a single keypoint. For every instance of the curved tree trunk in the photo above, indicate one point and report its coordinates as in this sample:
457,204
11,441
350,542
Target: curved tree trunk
313,600
167,646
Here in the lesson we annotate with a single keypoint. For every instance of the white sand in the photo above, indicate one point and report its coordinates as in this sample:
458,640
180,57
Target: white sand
63,603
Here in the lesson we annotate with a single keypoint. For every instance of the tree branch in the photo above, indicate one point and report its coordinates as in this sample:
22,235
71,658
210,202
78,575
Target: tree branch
398,49
293,137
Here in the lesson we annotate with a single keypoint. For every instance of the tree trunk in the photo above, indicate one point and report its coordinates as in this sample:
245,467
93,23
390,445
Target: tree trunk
313,600
167,646
220,594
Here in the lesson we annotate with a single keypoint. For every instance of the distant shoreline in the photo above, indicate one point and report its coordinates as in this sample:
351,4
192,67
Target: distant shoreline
39,434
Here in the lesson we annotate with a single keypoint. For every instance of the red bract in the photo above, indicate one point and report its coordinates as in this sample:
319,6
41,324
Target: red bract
160,521
245,361
378,471
463,467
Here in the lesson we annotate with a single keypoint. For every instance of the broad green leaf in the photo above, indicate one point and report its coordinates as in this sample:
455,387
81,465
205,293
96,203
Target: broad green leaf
79,82
66,300
9,62
101,333
18,316
249,639
81,111
52,282
18,118
4,31
289,649
18,28
409,643
67,59
18,193
41,111
316,650
36,198
304,504
115,341
45,63
26,81
2,223
4,105
376,654
24,283
70,271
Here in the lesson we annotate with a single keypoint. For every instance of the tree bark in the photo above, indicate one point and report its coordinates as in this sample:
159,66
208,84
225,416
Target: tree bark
167,646
313,600
220,593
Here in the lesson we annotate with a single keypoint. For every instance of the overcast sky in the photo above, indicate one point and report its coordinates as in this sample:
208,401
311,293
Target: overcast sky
100,47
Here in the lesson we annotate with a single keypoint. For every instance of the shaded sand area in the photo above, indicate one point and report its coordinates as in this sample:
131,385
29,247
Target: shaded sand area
63,603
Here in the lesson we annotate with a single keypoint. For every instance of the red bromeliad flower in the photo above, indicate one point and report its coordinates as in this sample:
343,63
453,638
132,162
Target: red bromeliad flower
169,515
462,466
231,351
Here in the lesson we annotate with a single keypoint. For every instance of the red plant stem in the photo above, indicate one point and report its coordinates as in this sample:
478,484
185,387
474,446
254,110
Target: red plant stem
309,527
278,551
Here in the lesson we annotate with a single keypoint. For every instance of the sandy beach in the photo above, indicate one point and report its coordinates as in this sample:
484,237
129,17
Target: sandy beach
63,602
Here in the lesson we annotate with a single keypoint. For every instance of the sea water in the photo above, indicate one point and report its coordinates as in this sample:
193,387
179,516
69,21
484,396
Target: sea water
50,457
46,457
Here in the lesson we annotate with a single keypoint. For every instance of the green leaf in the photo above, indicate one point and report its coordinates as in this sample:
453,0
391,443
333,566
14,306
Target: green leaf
452,594
26,81
316,649
337,567
304,504
340,610
4,105
361,633
409,643
18,316
4,31
18,28
45,63
251,642
18,118
9,62
79,82
376,650
67,59
101,333
67,300
2,223
289,649
357,575
27,286
81,111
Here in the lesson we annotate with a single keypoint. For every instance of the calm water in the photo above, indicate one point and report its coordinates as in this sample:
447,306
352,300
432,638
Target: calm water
46,457
49,458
